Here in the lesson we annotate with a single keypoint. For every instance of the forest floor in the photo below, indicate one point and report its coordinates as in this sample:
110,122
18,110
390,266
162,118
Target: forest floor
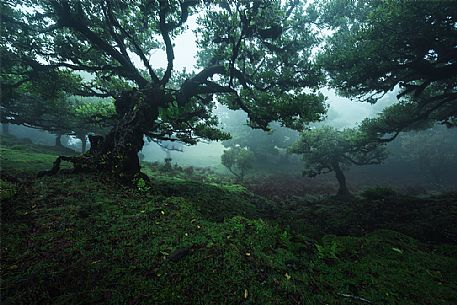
192,237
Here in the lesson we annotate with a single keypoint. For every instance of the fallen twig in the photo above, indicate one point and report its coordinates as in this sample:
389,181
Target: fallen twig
354,297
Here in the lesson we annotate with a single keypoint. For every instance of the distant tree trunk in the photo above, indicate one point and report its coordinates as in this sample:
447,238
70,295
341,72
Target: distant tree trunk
242,174
5,129
167,153
58,140
343,190
83,144
239,177
83,137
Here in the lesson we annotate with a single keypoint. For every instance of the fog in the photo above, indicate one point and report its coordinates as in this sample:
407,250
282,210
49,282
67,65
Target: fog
342,113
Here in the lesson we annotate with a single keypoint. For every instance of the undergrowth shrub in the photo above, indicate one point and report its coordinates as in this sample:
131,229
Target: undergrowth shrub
378,193
7,190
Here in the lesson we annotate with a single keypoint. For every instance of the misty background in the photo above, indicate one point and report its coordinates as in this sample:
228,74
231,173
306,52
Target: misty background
416,159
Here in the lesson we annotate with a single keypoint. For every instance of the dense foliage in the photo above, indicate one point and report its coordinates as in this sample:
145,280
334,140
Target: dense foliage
63,115
377,46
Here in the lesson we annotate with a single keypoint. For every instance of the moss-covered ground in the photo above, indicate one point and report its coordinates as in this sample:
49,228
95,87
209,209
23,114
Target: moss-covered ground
182,239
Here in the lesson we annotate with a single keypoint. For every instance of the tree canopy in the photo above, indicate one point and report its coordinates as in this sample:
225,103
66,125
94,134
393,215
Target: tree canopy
254,55
258,49
377,46
40,104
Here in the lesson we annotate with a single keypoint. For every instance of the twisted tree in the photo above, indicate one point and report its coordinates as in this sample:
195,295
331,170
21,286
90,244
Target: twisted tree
254,55
327,149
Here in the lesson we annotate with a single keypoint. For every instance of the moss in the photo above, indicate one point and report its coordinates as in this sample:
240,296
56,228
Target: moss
88,238
74,239
430,219
387,267
20,157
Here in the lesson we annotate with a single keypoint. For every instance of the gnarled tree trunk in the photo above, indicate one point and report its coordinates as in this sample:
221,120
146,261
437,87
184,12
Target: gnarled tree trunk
117,152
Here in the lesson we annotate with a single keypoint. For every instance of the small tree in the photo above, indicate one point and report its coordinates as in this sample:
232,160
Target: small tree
238,161
328,150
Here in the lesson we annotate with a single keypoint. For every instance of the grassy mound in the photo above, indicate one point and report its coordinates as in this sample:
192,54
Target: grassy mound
430,219
84,239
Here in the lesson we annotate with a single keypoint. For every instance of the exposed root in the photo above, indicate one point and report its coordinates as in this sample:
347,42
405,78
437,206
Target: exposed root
79,163
116,153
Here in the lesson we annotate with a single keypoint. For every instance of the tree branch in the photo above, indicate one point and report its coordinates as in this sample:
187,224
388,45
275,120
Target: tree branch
111,21
164,31
136,46
77,21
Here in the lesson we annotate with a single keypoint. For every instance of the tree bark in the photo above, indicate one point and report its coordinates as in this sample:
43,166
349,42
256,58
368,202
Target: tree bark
117,152
83,144
83,138
58,140
342,190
